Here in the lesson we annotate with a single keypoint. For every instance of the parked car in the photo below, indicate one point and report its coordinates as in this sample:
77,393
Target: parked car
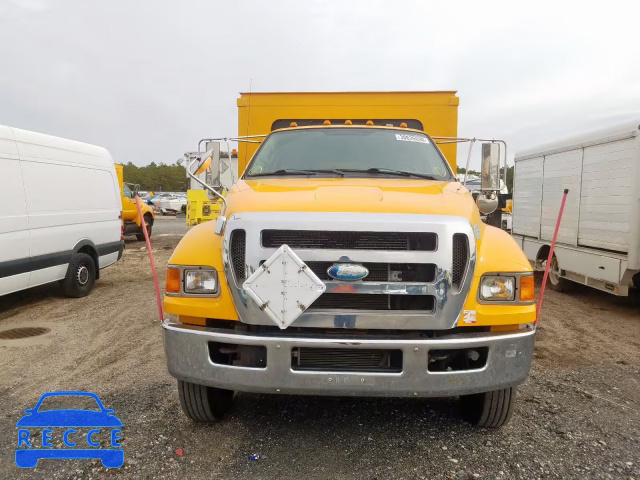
61,212
170,204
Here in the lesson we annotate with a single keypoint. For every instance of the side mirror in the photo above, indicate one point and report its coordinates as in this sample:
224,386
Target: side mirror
490,174
204,162
487,202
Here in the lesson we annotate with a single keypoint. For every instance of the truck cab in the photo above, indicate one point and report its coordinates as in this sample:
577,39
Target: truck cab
348,260
133,224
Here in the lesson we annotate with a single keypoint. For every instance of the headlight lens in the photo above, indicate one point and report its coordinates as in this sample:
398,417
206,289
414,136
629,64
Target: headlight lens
497,288
200,281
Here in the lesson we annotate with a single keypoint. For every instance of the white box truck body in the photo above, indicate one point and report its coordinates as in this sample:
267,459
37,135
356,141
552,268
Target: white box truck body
60,212
599,238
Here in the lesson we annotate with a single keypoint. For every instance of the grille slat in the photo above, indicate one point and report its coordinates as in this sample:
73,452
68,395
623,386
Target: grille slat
364,301
334,240
238,252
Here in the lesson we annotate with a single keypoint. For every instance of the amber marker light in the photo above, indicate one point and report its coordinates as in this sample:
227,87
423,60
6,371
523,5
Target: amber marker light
173,280
527,289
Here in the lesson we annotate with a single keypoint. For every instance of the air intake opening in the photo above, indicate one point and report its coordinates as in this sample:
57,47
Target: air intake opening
238,251
346,360
460,259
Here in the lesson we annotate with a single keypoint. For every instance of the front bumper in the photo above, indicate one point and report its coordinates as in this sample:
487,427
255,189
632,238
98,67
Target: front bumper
508,363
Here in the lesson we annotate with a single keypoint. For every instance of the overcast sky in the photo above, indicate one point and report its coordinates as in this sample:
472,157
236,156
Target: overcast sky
148,79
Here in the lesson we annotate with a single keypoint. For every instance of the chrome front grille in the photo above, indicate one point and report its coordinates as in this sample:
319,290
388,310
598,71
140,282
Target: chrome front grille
419,265
418,241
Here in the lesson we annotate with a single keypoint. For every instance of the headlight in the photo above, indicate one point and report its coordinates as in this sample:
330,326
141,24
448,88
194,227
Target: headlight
199,281
497,288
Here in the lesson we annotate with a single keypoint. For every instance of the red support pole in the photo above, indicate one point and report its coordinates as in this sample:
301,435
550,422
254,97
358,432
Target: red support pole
153,263
551,250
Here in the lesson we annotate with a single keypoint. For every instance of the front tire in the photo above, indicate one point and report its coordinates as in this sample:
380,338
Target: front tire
81,276
556,282
204,404
148,226
490,409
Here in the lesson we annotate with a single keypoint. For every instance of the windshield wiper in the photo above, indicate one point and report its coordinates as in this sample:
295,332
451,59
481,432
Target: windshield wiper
290,171
390,171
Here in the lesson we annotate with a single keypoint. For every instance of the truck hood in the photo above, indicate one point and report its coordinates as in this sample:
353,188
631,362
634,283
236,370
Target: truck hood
371,195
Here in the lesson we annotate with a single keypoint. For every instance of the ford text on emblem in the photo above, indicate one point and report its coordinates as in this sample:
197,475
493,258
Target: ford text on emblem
349,272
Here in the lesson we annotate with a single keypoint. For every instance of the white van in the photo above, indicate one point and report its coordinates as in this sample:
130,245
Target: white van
60,212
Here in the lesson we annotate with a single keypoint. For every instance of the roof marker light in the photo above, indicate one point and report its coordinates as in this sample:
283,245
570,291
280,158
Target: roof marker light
293,124
403,125
369,122
348,122
326,122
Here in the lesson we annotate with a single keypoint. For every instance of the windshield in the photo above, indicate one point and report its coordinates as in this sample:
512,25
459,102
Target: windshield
77,402
126,191
342,150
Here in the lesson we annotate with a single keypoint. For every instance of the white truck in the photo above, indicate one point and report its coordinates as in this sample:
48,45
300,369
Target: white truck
599,239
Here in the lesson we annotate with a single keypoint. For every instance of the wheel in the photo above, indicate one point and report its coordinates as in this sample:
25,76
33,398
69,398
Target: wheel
204,404
148,226
112,459
490,409
556,282
26,459
81,276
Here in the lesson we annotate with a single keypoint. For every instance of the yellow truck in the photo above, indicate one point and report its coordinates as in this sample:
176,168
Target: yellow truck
348,260
130,216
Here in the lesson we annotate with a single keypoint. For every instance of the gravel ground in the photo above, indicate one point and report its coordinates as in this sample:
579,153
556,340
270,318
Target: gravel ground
578,414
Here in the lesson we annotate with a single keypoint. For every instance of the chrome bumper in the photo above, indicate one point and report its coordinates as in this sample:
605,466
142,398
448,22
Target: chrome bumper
508,364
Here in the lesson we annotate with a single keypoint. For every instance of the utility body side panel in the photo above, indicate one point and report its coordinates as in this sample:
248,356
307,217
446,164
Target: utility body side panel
607,195
561,170
527,197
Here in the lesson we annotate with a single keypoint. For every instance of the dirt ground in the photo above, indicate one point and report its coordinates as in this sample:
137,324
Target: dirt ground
578,414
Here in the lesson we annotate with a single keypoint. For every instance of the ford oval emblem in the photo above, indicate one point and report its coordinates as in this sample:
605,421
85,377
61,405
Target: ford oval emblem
348,272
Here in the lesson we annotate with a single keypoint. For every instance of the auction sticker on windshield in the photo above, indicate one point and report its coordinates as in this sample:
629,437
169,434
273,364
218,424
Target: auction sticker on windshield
405,137
83,429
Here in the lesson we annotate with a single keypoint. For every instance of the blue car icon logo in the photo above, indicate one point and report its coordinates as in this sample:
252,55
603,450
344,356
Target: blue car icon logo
84,432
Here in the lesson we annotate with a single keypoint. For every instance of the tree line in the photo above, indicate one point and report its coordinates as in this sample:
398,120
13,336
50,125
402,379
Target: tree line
157,178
